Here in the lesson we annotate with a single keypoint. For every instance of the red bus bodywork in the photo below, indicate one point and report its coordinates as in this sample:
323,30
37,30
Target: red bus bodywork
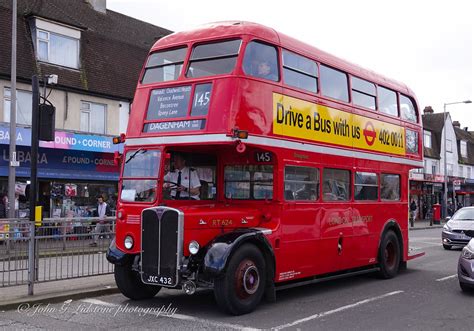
302,239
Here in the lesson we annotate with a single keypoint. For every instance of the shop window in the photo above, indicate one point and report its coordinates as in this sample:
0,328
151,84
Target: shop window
336,185
79,199
23,106
93,117
365,186
301,183
390,187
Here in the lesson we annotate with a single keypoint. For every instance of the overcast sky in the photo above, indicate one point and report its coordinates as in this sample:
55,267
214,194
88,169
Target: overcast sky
425,44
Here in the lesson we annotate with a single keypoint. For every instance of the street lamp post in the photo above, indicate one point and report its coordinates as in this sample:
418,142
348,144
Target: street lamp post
445,195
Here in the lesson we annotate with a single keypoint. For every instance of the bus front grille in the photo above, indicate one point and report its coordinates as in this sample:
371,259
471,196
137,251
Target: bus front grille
161,246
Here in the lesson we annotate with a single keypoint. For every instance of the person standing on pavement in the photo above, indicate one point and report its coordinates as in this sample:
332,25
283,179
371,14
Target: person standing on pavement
413,209
101,226
3,206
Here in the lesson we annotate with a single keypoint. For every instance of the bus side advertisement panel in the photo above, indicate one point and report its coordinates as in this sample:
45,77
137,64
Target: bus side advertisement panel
297,118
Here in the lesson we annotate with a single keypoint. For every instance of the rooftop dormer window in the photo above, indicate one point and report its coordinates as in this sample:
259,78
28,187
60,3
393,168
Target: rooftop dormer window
57,44
463,148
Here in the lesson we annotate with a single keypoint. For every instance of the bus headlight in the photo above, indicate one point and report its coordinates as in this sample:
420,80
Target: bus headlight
128,242
193,247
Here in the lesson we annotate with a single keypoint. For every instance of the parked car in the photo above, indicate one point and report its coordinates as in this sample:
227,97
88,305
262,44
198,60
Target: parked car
459,230
466,267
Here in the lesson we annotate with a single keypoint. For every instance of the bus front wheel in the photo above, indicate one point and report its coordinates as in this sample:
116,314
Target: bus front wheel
129,283
389,255
242,287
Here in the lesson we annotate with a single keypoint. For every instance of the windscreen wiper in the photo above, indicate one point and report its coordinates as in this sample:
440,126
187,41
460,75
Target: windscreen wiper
134,154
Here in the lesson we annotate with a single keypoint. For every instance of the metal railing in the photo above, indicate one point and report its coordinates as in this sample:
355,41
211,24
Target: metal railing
57,249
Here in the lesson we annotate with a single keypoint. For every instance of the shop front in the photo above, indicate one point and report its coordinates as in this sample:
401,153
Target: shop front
464,189
72,172
426,190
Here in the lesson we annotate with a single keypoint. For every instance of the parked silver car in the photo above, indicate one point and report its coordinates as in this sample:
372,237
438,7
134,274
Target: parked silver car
466,267
459,229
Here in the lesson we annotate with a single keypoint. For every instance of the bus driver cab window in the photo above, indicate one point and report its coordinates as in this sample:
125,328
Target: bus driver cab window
260,61
189,176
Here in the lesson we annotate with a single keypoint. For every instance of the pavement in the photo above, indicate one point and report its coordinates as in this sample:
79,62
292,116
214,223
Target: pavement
422,224
57,291
87,287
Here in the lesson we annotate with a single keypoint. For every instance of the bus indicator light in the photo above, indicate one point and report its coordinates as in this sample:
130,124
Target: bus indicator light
240,134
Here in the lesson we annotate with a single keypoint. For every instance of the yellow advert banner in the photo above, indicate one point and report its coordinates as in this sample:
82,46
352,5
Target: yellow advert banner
301,119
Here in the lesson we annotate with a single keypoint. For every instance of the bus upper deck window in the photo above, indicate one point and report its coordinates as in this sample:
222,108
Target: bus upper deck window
407,109
164,66
213,59
387,101
300,72
261,61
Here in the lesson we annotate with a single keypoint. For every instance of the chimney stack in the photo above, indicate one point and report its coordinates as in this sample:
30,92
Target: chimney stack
457,124
428,110
99,5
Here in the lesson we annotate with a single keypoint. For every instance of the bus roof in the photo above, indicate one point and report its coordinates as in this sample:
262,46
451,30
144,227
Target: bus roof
215,30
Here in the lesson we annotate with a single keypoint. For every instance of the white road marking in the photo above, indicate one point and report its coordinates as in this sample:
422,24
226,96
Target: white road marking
209,322
182,317
100,302
446,278
337,310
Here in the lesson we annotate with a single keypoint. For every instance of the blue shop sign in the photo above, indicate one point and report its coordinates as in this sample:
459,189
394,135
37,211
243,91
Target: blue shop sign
69,164
63,140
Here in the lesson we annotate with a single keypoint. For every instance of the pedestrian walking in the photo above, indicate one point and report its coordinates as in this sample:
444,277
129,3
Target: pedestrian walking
101,226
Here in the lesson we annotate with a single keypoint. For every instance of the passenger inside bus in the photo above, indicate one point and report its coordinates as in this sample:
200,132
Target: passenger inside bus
261,61
183,182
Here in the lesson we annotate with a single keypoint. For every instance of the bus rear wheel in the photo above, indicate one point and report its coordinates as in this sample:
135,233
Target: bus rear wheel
389,255
242,287
129,283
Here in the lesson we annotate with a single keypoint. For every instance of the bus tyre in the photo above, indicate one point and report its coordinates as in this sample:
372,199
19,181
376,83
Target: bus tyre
242,287
389,255
129,283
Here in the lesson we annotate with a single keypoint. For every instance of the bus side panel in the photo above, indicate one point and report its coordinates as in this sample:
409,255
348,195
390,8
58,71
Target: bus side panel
300,254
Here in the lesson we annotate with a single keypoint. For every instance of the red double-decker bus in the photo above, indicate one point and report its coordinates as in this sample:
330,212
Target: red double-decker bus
254,162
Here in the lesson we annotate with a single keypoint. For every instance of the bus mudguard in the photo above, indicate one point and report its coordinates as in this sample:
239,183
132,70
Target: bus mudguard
392,224
219,250
116,256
